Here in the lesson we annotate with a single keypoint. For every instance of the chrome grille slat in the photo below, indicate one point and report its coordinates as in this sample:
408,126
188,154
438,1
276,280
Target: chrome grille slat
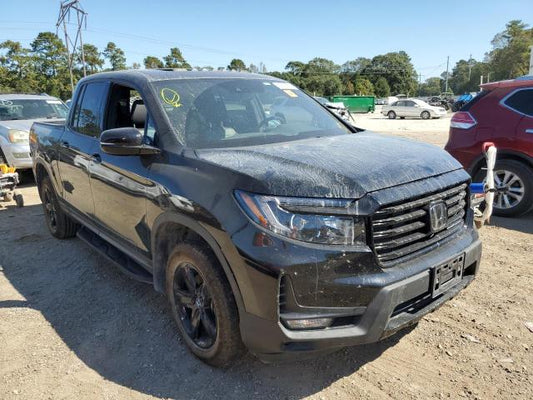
455,209
398,231
403,229
420,202
391,244
399,219
418,246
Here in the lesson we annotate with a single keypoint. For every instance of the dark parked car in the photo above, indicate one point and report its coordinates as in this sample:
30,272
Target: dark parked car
284,234
501,113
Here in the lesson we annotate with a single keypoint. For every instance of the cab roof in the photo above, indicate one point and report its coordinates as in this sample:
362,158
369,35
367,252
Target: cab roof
153,75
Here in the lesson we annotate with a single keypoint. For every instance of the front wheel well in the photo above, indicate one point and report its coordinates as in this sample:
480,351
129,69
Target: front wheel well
481,163
170,229
40,174
168,235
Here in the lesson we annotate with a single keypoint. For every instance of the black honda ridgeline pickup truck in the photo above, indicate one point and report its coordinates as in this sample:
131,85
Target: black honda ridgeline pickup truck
269,223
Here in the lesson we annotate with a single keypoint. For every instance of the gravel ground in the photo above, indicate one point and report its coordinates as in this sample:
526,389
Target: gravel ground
72,326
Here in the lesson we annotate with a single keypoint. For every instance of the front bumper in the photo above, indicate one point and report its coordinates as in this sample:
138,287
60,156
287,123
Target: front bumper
17,155
390,301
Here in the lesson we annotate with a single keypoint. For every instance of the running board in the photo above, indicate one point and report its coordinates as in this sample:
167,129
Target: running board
124,262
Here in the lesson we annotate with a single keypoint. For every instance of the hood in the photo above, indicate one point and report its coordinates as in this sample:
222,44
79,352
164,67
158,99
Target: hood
338,105
344,166
24,124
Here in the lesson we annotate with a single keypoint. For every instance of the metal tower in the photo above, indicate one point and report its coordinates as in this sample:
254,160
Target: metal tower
67,7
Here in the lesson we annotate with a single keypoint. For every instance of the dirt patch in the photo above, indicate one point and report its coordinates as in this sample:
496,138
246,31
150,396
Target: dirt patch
72,326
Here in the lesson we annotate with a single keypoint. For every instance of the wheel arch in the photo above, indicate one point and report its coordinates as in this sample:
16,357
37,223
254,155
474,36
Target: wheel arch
479,162
171,228
40,171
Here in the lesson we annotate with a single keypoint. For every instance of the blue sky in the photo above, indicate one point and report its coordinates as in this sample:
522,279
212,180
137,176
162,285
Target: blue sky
212,32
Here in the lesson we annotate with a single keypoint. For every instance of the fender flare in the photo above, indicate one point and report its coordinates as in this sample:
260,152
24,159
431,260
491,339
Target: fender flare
159,266
39,162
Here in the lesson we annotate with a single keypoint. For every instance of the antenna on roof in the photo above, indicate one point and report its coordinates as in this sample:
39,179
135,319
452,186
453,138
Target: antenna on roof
65,8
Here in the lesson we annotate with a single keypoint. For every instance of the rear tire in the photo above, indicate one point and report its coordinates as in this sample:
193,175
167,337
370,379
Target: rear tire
391,115
19,199
515,181
425,115
203,305
59,224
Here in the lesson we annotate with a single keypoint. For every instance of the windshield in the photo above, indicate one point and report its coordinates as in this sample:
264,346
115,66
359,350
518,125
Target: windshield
210,113
31,109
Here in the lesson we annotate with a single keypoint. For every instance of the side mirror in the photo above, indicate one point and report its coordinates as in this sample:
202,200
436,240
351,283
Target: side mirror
125,142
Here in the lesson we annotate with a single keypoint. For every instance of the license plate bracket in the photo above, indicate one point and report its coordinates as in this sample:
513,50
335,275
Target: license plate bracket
447,275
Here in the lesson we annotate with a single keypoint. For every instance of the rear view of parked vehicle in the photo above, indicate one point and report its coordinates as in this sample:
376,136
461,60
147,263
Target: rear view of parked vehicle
412,108
503,114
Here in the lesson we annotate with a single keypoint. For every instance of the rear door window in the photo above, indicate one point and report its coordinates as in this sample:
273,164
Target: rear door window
87,117
521,101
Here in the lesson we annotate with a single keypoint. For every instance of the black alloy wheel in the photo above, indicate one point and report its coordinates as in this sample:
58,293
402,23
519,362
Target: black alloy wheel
50,209
195,306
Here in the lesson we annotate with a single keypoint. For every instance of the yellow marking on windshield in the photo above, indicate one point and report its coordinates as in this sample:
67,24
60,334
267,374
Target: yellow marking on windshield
290,93
170,97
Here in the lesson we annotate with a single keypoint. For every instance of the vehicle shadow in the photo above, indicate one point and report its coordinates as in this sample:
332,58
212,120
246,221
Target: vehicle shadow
523,223
122,329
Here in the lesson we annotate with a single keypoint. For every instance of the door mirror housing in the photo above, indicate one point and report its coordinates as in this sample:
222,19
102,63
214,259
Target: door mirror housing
125,142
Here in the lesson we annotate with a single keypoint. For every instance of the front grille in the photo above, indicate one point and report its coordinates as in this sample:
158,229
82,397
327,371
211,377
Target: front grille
402,230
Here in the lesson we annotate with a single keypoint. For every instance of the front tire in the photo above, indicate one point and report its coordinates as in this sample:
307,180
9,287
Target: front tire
203,305
391,115
59,223
514,185
425,115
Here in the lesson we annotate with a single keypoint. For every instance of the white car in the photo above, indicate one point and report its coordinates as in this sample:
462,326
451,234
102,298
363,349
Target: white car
412,108
17,114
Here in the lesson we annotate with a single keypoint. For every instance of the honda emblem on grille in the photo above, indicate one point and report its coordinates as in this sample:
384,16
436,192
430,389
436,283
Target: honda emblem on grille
438,216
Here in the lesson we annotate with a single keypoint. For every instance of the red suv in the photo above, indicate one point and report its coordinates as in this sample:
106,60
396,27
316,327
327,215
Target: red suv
501,113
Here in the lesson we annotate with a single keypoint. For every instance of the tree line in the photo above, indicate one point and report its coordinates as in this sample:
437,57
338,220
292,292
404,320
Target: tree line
508,59
44,67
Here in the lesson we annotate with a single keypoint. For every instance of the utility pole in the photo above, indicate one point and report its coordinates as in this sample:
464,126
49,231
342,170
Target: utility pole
530,60
447,66
65,8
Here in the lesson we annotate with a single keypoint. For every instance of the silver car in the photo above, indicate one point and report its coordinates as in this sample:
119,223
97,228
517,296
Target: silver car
17,114
412,108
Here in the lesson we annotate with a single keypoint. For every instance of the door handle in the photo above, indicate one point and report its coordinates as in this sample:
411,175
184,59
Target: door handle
96,158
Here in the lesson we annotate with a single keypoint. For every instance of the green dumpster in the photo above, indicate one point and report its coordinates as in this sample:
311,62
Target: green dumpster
359,104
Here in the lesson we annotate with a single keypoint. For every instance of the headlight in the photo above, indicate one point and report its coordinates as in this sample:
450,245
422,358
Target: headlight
320,221
16,136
